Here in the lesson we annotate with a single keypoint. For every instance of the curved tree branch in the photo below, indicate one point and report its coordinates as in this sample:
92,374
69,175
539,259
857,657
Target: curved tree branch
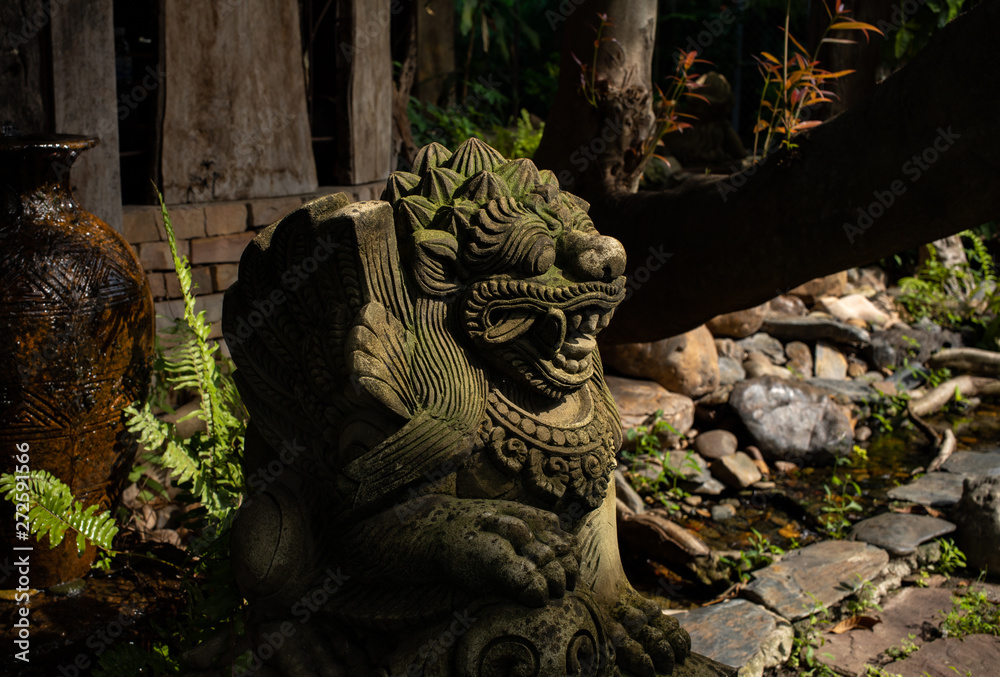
918,159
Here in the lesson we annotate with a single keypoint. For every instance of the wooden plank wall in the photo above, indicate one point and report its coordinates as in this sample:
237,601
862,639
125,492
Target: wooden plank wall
84,99
235,123
365,73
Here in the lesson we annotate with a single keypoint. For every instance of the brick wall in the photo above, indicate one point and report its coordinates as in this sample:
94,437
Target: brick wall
213,236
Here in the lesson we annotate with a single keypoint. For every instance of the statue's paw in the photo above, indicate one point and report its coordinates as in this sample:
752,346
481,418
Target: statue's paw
647,642
523,552
297,650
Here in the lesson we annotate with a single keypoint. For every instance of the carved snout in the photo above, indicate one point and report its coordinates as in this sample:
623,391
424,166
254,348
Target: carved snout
593,257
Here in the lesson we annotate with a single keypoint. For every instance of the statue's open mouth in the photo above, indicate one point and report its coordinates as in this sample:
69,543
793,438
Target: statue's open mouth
544,331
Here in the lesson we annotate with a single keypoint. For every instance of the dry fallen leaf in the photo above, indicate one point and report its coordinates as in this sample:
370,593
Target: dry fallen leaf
866,622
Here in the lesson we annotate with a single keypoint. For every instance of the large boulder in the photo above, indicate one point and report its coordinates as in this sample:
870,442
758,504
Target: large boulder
637,400
792,421
686,364
978,519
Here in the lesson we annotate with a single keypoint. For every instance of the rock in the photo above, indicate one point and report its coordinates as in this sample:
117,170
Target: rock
636,400
688,464
789,328
937,489
899,533
710,487
792,421
904,614
890,348
757,365
787,305
763,343
693,501
828,285
822,573
741,634
976,655
727,347
908,376
800,358
980,463
785,467
739,324
754,453
730,371
845,391
853,306
715,444
862,433
871,276
737,471
978,518
721,513
685,364
830,363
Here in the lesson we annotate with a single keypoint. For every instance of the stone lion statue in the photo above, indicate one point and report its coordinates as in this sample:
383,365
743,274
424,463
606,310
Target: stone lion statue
431,440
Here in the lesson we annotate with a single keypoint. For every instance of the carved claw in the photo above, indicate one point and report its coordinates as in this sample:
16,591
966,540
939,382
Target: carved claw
647,642
518,549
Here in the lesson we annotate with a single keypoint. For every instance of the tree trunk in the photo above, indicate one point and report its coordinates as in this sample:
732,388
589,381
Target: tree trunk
918,159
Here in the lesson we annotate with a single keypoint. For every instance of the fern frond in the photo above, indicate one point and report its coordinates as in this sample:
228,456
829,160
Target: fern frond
53,510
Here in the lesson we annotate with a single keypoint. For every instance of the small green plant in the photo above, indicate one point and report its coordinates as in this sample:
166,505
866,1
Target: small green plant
760,554
952,558
808,640
972,614
839,501
520,142
873,671
863,599
905,648
588,72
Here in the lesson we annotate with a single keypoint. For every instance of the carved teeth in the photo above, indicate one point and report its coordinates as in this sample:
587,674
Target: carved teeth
572,366
590,326
559,360
574,321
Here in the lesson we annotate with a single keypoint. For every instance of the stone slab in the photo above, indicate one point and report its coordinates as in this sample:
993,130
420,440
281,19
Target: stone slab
822,573
936,489
739,633
977,655
973,463
829,363
902,615
791,328
851,390
898,533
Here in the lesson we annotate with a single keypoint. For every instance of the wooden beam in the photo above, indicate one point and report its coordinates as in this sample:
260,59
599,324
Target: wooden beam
365,73
235,121
85,99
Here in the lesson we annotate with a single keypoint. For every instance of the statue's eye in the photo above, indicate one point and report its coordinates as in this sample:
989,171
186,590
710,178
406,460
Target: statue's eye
539,254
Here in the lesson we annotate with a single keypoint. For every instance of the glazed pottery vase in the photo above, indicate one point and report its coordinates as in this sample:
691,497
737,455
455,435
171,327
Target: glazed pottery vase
76,344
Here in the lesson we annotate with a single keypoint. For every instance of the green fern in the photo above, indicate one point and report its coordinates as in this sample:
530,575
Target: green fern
208,463
53,510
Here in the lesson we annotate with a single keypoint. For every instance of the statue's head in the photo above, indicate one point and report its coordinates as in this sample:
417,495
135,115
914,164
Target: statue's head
533,279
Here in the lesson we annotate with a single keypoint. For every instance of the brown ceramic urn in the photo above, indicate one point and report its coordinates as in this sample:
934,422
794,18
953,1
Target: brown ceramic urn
76,342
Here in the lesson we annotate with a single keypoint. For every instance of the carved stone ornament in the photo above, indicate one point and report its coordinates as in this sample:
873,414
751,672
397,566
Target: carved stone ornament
431,437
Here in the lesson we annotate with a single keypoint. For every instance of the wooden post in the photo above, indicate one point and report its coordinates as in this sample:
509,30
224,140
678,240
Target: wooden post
436,49
23,65
235,122
85,99
365,74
